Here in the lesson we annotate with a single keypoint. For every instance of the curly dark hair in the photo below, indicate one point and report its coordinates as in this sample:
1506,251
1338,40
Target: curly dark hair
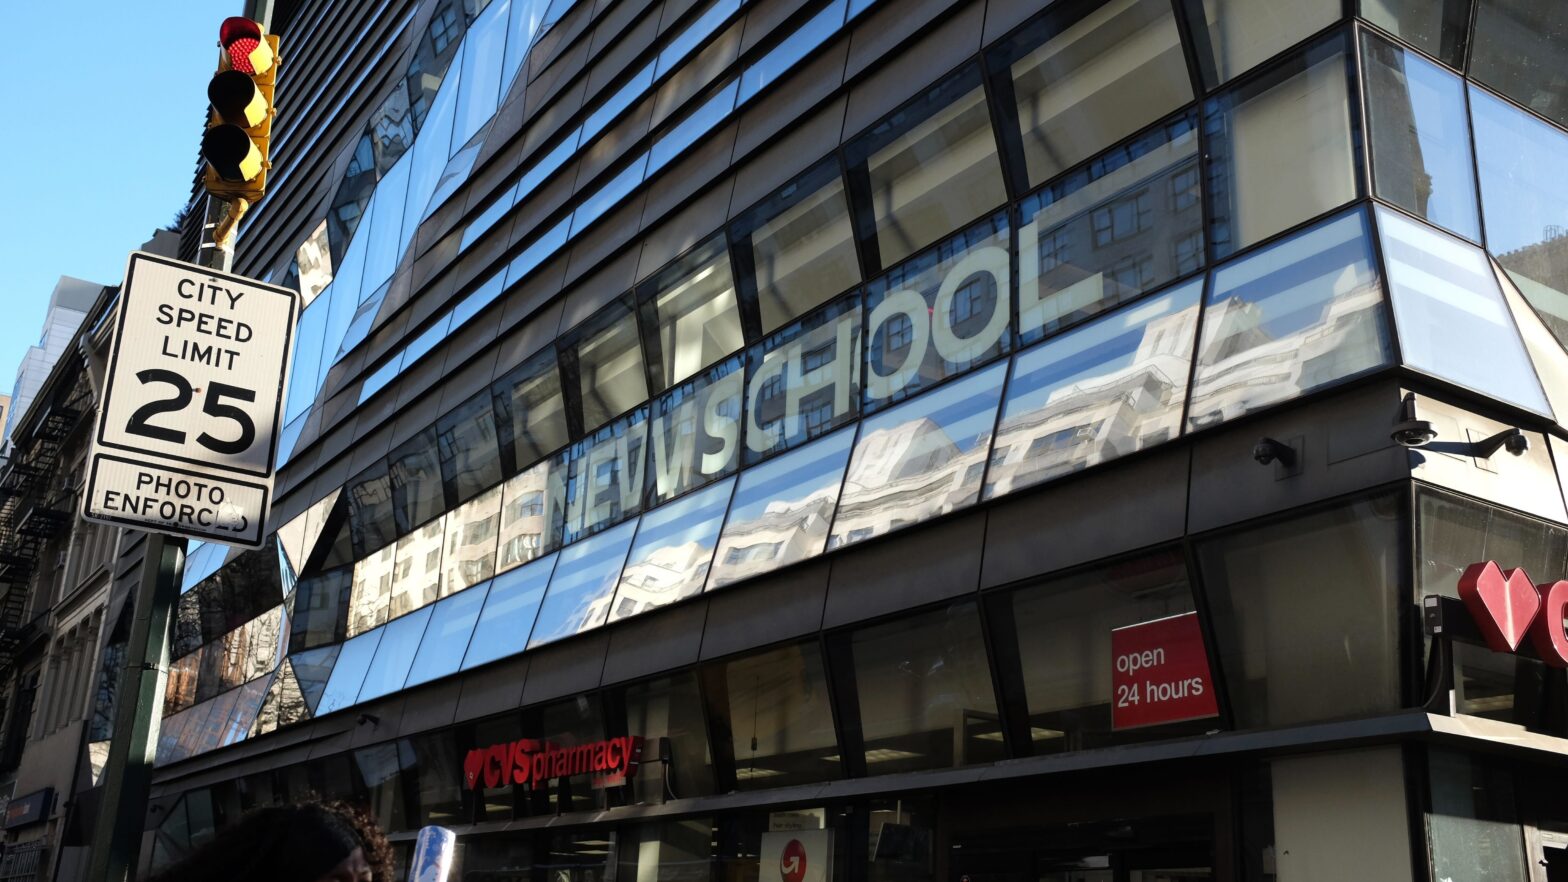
300,842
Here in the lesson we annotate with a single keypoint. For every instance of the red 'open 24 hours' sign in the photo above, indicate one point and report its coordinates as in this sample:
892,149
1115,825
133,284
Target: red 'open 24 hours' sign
1160,673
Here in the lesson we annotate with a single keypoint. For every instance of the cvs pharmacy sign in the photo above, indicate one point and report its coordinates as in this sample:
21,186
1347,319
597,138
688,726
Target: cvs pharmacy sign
1507,606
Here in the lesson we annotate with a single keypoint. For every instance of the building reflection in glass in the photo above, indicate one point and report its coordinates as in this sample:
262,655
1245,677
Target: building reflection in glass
673,551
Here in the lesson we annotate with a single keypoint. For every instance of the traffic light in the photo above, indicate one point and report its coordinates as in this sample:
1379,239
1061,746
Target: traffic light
235,143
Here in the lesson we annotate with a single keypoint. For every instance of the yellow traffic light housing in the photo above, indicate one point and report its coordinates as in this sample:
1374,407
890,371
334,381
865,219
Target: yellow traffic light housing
235,143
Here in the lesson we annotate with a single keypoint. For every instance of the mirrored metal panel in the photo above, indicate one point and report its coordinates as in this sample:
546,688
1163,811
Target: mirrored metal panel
674,549
583,585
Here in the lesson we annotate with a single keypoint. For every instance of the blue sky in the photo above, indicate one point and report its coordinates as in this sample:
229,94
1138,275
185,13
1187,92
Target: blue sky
119,87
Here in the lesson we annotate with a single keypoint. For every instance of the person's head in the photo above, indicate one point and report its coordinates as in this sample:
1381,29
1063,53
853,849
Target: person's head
308,842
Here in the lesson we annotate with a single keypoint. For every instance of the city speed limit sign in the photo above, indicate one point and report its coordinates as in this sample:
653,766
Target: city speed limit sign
188,423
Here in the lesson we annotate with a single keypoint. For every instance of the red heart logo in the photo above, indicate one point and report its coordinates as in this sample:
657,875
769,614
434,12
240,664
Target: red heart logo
473,765
1503,604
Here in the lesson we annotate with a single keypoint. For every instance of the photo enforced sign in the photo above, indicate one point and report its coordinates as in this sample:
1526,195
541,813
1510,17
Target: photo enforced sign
187,432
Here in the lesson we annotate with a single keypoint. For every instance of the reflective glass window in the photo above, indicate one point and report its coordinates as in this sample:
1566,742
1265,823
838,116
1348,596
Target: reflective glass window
312,670
1420,137
1525,203
315,266
1448,308
1452,533
694,436
415,471
477,300
320,613
1097,392
508,615
371,595
1297,116
1123,225
668,708
428,339
379,768
350,203
547,244
533,514
605,475
385,229
371,525
684,43
1440,29
926,700
781,510
486,219
470,453
940,314
1064,629
672,554
789,51
930,168
526,20
1084,79
608,361
1472,822
416,577
348,674
1299,314
690,307
394,654
1242,33
392,128
616,104
432,148
781,718
1521,50
529,412
583,585
482,62
437,49
446,637
609,195
679,137
919,460
456,172
438,767
472,533
1278,596
803,380
207,736
796,250
305,376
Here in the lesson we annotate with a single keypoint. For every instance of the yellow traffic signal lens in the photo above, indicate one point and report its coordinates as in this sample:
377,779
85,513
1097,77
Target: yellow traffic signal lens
231,152
242,41
236,99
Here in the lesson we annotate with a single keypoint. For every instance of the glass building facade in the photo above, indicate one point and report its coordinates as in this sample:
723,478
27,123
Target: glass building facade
829,402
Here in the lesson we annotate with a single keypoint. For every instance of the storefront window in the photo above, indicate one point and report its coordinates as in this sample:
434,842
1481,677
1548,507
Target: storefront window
533,514
497,803
695,434
903,838
940,314
1278,595
1120,226
929,169
415,471
509,612
1440,29
803,381
608,365
1298,117
1242,33
1065,646
416,578
691,304
1098,392
1452,533
472,532
1297,315
668,712
383,776
577,857
781,718
1420,137
1473,826
781,511
371,525
583,586
446,637
470,455
673,552
797,248
1521,50
605,473
926,699
530,414
666,851
563,725
372,590
394,654
919,460
1083,80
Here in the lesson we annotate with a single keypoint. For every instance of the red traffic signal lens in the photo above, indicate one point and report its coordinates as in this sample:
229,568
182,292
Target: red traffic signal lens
241,39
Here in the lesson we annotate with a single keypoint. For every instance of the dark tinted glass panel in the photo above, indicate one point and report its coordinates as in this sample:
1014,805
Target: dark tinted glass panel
530,415
669,708
1242,33
691,314
797,249
929,169
1440,29
1083,79
415,472
1297,116
1521,50
781,718
1064,643
371,525
1452,533
605,476
1124,224
379,768
470,453
695,431
566,724
440,775
926,700
804,380
1420,137
919,460
1278,596
607,355
940,314
672,554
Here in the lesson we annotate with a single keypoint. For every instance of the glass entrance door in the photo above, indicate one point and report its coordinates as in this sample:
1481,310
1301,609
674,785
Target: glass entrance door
1171,849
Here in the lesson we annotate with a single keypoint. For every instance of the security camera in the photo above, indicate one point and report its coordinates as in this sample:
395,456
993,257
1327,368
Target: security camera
1267,450
1413,433
1517,444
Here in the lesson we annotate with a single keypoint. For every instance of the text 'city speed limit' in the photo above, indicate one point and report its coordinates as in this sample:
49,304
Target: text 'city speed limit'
193,399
